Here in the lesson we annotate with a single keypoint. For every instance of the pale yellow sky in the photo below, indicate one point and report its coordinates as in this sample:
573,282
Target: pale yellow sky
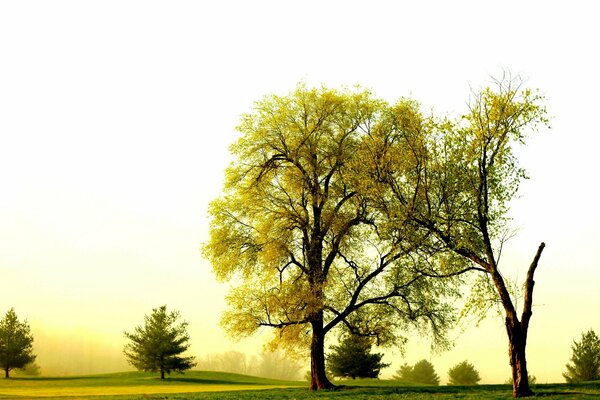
115,118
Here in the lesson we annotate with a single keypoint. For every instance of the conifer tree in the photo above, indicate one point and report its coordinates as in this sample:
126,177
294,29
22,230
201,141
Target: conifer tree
422,372
157,345
353,358
16,343
585,359
463,374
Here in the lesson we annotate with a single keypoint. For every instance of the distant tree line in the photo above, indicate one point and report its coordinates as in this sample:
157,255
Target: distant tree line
269,364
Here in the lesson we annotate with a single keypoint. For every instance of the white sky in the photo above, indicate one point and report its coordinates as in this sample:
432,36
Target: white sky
116,116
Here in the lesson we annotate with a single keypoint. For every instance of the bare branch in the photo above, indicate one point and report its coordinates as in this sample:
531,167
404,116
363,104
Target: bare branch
529,282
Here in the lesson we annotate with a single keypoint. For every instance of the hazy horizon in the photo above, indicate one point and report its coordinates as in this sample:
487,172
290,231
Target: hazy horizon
115,122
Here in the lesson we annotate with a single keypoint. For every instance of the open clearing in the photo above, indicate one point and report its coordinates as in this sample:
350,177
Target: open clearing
200,385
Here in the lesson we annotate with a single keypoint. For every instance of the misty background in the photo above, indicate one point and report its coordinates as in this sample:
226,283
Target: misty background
115,122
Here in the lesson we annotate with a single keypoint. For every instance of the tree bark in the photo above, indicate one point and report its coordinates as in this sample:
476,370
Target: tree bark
6,373
517,333
318,377
517,340
162,373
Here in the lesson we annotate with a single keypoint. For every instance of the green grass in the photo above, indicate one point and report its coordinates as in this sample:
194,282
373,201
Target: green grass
132,383
202,385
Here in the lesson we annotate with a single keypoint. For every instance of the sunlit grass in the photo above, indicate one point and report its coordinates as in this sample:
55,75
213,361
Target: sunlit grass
202,385
135,383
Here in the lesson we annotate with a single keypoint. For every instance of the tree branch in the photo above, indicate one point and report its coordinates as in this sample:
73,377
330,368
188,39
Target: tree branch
529,282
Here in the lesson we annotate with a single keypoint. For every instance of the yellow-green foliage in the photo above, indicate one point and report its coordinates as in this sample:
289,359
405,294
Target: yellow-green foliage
342,209
303,227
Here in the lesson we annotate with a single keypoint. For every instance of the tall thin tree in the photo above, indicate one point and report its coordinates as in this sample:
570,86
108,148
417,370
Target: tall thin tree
460,179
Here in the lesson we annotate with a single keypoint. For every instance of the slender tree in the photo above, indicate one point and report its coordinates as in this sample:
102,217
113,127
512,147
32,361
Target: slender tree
585,361
463,374
455,181
353,358
16,343
157,345
296,229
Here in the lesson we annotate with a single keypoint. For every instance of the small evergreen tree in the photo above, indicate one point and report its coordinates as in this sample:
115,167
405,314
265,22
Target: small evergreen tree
353,358
422,372
463,374
585,359
157,345
404,374
16,343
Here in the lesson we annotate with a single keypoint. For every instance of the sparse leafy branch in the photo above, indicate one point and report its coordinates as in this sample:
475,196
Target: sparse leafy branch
465,173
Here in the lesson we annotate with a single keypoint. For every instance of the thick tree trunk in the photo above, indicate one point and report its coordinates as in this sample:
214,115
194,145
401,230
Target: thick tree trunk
517,340
6,372
162,373
517,330
318,377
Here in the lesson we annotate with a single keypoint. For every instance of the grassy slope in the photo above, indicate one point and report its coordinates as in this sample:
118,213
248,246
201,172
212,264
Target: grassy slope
201,385
128,383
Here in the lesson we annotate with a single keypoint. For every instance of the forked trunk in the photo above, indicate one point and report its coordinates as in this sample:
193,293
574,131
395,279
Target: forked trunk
318,377
517,339
517,330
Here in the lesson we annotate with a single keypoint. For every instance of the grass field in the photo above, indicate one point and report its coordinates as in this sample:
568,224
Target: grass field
133,383
200,385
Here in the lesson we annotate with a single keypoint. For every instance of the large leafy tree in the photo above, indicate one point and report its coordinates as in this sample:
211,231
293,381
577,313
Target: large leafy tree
423,372
585,361
158,344
463,373
297,231
16,343
455,180
352,358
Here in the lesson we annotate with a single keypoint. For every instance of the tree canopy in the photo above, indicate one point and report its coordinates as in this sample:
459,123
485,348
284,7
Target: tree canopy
341,209
463,374
16,343
156,346
303,237
352,358
585,361
454,181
